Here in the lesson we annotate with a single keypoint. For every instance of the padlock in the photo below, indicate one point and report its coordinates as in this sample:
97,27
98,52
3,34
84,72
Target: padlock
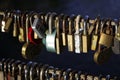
58,73
95,37
9,77
50,37
70,38
89,77
42,71
33,72
38,68
46,24
118,32
5,70
66,74
116,45
47,76
72,75
85,37
21,71
102,55
20,20
30,50
64,30
58,35
50,73
77,75
78,36
82,77
14,70
106,37
1,68
96,78
15,26
27,70
92,26
9,21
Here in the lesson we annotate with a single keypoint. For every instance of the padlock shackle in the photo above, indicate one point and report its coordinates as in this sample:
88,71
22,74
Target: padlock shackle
51,18
78,18
70,21
65,18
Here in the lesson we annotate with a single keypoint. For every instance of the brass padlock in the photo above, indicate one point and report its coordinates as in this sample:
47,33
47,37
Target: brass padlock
102,55
51,73
95,37
82,77
20,22
85,37
58,73
89,77
92,26
15,26
64,30
78,36
58,33
50,37
42,71
8,22
70,38
72,75
116,45
77,75
66,74
118,32
106,37
96,78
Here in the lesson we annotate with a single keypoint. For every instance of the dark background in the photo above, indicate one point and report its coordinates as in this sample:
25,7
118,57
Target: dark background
10,47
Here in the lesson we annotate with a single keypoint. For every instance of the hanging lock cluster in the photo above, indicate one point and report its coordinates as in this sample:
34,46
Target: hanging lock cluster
55,31
11,69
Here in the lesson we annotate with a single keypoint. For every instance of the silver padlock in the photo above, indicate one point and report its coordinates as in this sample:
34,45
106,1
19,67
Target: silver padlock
116,46
50,37
78,36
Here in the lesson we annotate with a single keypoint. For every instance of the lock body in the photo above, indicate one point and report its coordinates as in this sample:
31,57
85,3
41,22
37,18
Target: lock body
8,24
94,42
106,40
21,35
116,46
103,56
78,43
85,41
50,42
70,42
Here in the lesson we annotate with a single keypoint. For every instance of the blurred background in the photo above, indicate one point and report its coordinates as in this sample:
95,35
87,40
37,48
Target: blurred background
10,47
